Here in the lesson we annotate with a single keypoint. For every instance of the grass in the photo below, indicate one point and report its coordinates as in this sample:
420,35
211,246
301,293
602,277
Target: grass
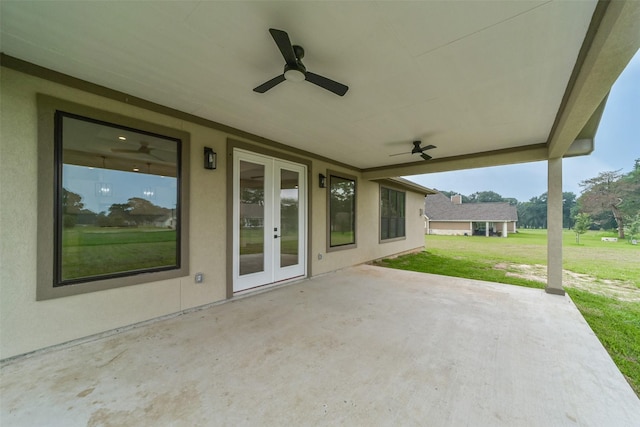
252,241
339,238
615,322
602,260
94,251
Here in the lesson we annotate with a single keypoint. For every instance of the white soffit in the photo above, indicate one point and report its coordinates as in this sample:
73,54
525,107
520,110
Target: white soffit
467,77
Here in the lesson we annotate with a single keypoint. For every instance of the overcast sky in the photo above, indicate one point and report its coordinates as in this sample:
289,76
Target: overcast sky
617,145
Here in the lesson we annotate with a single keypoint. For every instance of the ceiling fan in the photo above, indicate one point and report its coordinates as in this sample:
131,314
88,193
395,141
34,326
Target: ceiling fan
143,149
418,149
294,70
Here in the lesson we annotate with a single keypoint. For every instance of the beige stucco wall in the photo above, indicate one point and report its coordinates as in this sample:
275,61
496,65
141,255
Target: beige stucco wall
27,325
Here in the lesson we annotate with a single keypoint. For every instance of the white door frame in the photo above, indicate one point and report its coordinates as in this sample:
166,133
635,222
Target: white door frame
271,272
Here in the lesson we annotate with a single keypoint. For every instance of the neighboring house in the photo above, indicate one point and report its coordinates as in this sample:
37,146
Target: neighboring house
251,215
452,217
168,222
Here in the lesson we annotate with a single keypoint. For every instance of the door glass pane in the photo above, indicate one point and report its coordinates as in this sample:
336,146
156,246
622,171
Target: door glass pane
289,214
251,217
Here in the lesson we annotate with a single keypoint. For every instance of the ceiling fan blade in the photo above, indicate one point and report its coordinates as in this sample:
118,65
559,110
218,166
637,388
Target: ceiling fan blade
426,156
429,147
157,158
398,154
328,84
268,85
284,44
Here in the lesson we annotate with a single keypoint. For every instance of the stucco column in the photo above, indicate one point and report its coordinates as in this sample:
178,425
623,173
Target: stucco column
504,229
554,227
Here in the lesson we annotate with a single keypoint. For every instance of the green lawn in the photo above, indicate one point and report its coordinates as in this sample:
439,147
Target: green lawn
616,322
95,251
339,238
252,241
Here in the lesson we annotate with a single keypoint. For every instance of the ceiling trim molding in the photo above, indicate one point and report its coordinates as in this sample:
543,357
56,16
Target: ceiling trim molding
95,89
507,156
611,41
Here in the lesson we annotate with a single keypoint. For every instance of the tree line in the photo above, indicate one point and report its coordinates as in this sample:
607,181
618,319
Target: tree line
135,212
608,201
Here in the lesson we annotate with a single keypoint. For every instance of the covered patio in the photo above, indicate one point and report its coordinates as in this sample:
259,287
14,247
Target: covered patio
362,346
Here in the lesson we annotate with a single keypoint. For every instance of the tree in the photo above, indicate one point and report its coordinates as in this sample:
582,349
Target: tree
119,215
611,192
630,184
582,224
533,214
632,227
486,197
143,212
71,206
568,208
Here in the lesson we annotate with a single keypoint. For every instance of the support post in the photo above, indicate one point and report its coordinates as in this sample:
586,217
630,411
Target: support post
554,227
486,229
505,231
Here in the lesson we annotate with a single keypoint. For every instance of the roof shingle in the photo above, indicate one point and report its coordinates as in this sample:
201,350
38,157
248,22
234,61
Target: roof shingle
438,207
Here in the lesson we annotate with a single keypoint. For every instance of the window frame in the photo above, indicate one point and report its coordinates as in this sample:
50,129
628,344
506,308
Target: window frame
50,165
395,238
344,176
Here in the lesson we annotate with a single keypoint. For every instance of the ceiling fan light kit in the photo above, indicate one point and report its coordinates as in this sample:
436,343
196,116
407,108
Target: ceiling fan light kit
294,69
293,75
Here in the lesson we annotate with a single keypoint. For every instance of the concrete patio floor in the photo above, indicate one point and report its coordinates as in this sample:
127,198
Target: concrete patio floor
361,347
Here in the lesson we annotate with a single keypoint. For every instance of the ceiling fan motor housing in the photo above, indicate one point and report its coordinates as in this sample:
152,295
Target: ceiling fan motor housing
416,147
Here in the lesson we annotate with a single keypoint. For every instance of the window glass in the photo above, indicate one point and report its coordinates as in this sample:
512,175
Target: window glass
342,211
117,200
392,213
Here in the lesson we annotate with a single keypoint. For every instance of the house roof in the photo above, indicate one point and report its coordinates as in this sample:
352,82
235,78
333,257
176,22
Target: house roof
407,185
438,207
486,82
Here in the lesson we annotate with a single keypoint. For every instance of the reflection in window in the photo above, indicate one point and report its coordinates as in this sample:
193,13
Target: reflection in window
289,217
392,217
118,210
342,211
252,248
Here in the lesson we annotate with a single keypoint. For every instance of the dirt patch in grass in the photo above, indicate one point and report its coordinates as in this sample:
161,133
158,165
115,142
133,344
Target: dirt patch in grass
618,289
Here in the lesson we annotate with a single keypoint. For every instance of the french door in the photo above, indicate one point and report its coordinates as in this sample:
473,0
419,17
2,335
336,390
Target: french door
269,220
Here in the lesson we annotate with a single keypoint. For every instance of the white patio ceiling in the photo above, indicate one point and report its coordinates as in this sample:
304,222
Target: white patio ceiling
468,77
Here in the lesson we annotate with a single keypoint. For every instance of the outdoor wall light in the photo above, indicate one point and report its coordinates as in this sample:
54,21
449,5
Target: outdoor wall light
322,181
210,158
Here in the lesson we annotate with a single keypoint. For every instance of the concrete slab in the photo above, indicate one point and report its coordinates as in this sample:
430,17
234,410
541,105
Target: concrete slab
364,346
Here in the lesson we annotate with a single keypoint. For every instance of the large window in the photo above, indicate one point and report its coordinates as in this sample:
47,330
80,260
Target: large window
392,214
118,201
342,211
